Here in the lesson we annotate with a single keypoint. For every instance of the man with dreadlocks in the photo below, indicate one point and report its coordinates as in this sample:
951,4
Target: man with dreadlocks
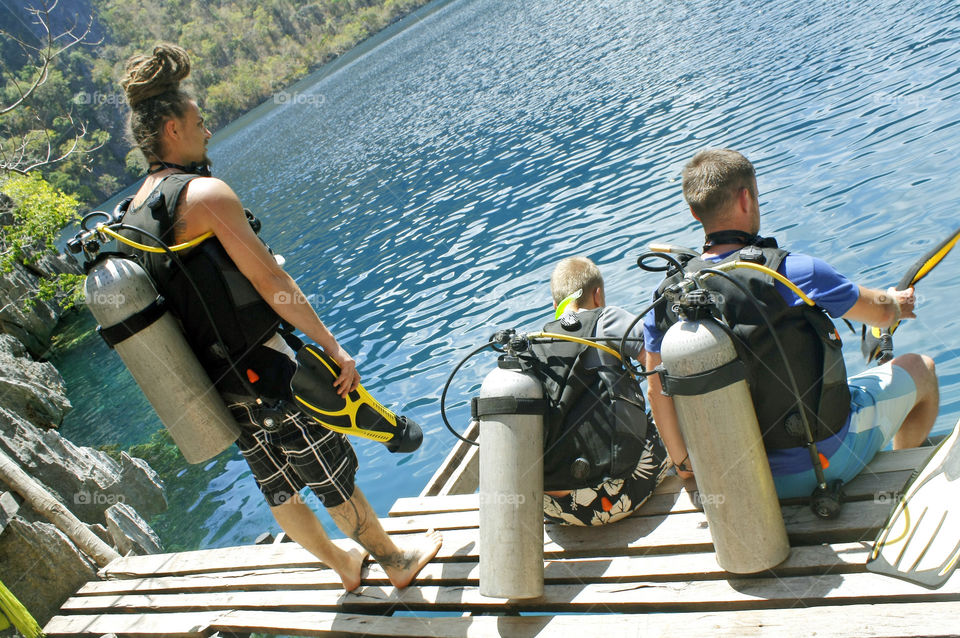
249,295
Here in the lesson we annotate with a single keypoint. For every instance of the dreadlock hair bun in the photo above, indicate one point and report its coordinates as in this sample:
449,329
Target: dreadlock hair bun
152,86
148,76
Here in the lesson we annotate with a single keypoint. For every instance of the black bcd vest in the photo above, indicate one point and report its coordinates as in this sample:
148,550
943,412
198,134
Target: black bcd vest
596,426
243,319
808,336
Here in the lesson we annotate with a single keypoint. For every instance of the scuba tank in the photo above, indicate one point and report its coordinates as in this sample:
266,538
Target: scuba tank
716,416
133,321
511,411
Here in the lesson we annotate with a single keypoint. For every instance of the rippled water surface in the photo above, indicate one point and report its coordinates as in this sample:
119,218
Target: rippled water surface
422,192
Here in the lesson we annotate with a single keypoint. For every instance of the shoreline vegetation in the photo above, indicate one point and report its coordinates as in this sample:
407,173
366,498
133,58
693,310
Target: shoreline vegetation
243,52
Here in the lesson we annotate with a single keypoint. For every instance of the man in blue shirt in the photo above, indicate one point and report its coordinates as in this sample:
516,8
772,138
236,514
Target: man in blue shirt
895,402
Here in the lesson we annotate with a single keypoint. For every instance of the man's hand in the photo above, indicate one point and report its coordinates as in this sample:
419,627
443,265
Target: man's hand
906,301
349,378
882,308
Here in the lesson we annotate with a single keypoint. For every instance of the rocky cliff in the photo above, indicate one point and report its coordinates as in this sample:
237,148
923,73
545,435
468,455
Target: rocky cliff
38,562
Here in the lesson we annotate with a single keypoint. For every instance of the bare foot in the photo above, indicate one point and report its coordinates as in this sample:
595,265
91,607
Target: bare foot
350,571
403,567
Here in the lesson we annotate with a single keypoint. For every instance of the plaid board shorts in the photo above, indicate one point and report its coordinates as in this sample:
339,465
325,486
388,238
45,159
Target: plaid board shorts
613,499
299,453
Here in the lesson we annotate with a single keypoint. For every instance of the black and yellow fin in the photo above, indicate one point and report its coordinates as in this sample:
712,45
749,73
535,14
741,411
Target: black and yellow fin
357,414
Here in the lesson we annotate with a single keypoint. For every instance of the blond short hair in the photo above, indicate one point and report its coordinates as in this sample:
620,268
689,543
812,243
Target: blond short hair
573,274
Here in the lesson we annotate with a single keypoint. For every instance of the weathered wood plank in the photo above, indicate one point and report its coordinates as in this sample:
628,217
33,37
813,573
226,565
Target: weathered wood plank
668,498
676,533
706,595
182,625
868,621
211,560
884,462
833,559
931,619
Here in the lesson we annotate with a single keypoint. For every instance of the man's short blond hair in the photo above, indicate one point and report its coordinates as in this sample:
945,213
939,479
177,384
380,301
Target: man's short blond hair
573,274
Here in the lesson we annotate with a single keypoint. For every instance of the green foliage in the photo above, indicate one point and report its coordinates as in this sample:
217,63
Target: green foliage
40,213
112,450
242,51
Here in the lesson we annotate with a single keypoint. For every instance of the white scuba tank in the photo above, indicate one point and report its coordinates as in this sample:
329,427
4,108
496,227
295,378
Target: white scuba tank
510,410
719,425
122,298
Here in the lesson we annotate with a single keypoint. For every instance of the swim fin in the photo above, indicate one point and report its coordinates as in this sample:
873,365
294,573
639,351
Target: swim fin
876,343
920,542
358,414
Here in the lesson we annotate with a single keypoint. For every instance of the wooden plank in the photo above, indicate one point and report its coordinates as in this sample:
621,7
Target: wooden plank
706,595
894,460
182,625
213,560
868,621
677,533
933,619
880,488
834,559
670,496
459,473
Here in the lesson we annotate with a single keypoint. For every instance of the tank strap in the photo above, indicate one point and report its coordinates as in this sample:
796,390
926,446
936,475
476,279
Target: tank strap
485,406
697,384
133,324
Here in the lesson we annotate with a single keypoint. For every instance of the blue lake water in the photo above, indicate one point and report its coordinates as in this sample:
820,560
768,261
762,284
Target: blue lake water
422,191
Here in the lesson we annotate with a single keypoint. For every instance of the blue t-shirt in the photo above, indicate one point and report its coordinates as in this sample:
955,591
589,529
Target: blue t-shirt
831,291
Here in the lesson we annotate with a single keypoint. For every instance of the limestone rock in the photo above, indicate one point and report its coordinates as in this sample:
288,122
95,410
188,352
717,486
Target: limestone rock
87,481
8,509
130,532
42,567
32,389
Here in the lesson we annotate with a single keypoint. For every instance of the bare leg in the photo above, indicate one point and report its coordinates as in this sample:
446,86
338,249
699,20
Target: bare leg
303,526
356,519
916,426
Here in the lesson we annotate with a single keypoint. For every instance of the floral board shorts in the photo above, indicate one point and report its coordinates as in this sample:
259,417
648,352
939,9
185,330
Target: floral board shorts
613,499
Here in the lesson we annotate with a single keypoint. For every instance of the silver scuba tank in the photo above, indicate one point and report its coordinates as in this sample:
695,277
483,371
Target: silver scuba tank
124,301
719,425
510,410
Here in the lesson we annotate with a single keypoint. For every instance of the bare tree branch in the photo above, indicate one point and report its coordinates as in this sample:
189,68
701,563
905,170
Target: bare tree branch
22,159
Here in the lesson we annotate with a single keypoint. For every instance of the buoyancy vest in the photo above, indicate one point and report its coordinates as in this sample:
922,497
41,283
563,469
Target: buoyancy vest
808,336
596,426
243,319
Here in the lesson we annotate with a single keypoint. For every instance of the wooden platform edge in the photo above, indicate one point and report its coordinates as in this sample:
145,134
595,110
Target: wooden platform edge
868,621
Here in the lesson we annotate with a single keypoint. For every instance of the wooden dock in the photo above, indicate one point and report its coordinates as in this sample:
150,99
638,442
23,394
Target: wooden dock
653,574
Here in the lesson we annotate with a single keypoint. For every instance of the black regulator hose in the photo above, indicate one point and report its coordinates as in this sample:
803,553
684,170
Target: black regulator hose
446,386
